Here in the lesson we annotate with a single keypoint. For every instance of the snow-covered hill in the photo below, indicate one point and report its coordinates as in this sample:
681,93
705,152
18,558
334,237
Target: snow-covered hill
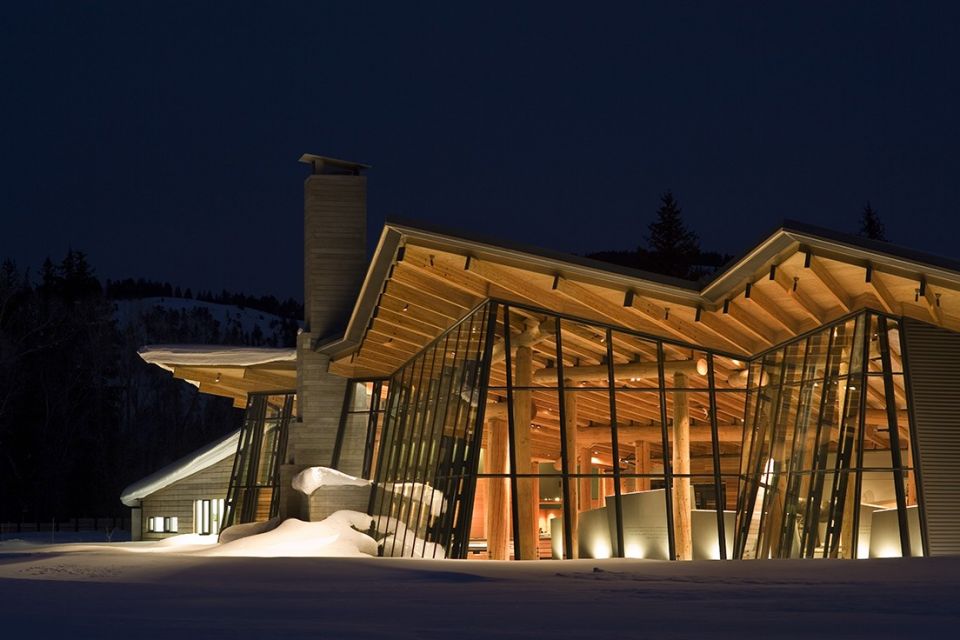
222,323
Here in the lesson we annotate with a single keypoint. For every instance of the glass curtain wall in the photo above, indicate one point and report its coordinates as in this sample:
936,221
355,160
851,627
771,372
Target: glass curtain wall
600,442
358,439
253,495
827,456
429,445
524,434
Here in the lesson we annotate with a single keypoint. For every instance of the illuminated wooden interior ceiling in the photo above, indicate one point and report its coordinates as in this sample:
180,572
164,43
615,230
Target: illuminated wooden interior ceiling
422,281
231,372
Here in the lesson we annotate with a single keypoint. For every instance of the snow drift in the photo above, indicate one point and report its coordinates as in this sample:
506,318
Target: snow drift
312,478
335,537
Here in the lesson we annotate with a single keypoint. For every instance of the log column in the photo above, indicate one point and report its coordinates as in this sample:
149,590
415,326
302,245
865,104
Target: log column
586,466
681,466
527,498
535,509
570,426
498,492
641,450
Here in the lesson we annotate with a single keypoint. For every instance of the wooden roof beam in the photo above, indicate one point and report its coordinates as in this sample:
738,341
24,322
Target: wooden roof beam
748,321
532,335
432,320
278,380
792,287
818,267
925,292
441,288
600,433
630,370
518,286
759,299
598,304
880,291
442,267
684,330
715,323
399,321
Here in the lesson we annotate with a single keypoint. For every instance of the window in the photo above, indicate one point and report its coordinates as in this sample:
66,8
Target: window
162,524
207,515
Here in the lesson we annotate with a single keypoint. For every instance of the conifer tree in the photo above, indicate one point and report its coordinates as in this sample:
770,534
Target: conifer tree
870,224
673,245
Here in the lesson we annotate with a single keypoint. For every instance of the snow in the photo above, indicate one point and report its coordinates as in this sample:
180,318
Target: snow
338,536
168,356
418,493
334,537
191,463
244,529
312,478
111,594
228,316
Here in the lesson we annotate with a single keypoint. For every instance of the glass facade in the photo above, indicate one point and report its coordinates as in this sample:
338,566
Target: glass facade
253,495
429,445
524,434
358,439
827,458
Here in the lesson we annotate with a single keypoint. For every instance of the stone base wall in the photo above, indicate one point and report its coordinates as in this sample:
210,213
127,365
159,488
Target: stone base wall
327,500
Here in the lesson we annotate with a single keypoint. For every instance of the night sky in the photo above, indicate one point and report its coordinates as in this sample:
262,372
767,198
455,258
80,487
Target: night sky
163,140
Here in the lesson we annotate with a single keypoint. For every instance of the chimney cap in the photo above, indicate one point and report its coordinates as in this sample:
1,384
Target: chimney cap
323,164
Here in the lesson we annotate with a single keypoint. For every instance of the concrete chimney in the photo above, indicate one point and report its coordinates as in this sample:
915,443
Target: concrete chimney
335,262
334,242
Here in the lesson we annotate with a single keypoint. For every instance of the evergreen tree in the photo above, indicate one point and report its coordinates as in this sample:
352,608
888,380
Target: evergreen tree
870,225
673,246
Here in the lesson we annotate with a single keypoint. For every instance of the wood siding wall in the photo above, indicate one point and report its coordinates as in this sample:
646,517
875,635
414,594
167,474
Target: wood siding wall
177,499
933,358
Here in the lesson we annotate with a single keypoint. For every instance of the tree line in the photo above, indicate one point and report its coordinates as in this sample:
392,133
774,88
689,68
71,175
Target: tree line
673,249
81,415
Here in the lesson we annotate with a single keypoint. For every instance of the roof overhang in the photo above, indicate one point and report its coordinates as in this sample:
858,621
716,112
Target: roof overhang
232,372
794,279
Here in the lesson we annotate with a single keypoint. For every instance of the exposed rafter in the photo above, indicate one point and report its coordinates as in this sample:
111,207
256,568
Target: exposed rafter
792,287
880,291
686,331
758,299
822,273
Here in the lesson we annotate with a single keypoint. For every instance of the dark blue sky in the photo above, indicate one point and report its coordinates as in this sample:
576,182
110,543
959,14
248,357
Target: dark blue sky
164,141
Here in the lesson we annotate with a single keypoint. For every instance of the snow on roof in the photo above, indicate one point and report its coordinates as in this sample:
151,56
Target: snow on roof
168,356
180,469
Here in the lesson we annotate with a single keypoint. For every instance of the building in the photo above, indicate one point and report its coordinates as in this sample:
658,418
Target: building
509,402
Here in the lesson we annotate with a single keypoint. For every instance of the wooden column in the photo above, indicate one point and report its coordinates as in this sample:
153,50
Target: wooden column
498,492
535,509
641,450
606,490
570,424
584,492
527,501
681,465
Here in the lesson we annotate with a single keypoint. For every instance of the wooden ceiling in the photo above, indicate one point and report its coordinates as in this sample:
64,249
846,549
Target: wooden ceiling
431,284
236,381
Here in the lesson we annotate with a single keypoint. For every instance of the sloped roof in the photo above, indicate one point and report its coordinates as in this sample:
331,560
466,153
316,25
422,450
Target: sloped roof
423,279
188,465
227,371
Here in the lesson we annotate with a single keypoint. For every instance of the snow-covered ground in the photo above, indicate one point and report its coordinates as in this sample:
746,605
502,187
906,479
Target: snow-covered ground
179,590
